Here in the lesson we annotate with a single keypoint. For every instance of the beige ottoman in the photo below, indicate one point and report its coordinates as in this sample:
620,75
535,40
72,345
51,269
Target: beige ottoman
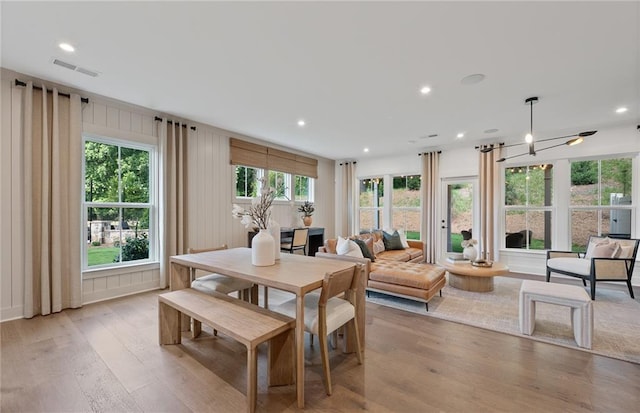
560,294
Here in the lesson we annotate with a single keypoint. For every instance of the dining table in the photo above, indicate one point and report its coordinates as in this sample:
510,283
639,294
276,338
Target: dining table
294,273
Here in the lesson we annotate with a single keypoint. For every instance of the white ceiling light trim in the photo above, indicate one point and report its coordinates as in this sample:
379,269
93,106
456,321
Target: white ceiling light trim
473,79
67,47
621,109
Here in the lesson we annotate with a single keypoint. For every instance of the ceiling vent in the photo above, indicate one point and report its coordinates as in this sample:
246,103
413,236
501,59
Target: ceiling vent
75,68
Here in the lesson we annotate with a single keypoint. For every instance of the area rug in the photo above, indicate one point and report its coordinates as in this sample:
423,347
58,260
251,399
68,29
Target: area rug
616,316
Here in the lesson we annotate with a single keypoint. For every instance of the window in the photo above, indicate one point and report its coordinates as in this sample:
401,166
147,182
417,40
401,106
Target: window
528,203
405,209
600,199
289,187
281,182
371,203
247,181
303,188
118,203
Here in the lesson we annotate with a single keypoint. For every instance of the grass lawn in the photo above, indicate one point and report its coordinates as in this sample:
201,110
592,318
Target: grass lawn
102,255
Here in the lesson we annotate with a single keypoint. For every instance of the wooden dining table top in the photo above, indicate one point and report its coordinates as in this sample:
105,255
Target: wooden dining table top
295,273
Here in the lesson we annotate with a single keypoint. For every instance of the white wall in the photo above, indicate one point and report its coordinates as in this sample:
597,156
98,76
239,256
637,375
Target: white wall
210,195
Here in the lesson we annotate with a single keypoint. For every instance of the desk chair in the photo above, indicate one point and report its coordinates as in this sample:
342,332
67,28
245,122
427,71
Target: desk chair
297,242
325,312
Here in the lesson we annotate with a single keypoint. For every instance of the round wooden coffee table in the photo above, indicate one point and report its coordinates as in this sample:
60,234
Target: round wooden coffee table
469,278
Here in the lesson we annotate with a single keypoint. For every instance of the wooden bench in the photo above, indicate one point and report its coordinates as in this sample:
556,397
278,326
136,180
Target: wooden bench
244,322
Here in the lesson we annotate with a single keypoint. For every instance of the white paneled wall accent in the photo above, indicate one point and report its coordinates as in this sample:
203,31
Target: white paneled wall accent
210,194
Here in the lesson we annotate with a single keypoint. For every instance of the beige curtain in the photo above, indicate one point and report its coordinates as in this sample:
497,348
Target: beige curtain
348,209
489,192
173,194
430,184
52,162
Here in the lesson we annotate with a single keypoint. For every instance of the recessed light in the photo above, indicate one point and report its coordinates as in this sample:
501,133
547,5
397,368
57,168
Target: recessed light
472,79
491,130
301,122
621,109
366,149
460,135
425,90
67,47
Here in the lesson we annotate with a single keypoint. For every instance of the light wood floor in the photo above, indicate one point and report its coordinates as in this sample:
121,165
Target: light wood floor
105,357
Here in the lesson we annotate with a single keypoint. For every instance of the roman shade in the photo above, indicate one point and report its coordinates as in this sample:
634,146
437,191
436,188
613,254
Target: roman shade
260,156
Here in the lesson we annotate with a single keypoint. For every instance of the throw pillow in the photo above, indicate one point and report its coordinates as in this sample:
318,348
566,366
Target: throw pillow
364,249
392,241
593,244
626,251
378,247
348,247
604,250
342,247
403,238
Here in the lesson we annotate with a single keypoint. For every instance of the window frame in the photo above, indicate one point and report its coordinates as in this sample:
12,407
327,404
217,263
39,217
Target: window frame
393,208
380,209
527,207
152,205
289,181
600,208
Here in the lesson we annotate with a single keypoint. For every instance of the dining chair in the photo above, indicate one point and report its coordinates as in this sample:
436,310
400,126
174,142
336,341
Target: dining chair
223,284
297,242
325,312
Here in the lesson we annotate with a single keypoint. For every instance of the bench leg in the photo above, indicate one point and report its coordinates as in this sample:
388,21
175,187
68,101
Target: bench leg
196,328
582,322
169,324
252,379
527,314
281,360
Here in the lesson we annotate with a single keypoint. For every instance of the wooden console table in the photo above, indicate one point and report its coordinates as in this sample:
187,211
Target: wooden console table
316,238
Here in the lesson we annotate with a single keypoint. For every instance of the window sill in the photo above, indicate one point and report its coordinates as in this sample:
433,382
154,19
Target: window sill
122,269
522,251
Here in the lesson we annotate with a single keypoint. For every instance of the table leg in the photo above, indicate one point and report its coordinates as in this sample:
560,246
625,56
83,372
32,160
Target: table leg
300,350
180,278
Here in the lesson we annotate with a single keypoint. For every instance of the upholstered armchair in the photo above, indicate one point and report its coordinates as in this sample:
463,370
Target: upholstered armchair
606,259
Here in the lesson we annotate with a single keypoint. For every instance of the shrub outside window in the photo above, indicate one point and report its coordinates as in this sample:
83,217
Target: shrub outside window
405,209
118,203
246,181
600,200
528,206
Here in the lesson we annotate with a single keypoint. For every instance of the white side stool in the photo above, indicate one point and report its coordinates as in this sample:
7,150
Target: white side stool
560,294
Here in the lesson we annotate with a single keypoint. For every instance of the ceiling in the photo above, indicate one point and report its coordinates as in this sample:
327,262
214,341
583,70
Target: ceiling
353,71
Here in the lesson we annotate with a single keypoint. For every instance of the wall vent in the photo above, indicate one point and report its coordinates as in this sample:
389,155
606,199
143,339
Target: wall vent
75,68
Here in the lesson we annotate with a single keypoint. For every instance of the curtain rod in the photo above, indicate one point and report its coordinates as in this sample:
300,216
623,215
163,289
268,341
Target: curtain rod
20,83
170,122
344,163
424,153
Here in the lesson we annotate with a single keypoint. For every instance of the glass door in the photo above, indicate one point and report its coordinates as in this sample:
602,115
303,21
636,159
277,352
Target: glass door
459,213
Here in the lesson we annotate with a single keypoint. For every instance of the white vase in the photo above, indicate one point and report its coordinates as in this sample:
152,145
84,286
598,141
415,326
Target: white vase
274,231
470,253
262,249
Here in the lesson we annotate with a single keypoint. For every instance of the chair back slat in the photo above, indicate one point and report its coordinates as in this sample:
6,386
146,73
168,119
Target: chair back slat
337,282
300,236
